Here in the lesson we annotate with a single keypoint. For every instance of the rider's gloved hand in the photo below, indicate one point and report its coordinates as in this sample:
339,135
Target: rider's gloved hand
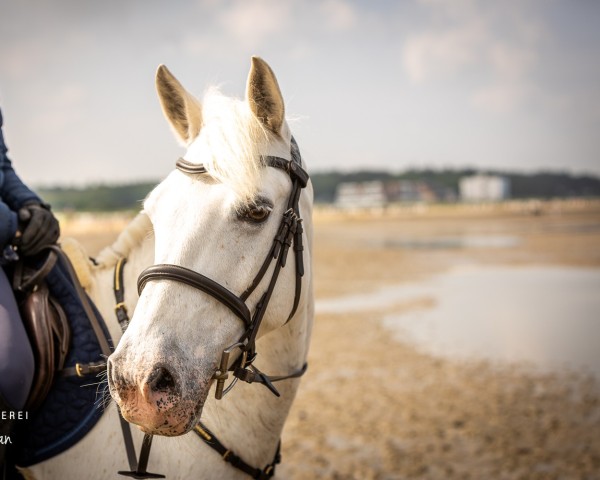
38,227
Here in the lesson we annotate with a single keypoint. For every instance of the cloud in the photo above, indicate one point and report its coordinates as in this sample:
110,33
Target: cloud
499,98
21,59
253,23
511,62
492,50
339,15
510,66
196,44
433,53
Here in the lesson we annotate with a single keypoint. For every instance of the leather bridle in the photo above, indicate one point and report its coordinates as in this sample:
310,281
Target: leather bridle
289,233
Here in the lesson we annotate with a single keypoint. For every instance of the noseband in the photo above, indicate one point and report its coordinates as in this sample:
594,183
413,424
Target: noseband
289,233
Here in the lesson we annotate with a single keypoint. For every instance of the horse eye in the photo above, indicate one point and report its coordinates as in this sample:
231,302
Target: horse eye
255,213
259,213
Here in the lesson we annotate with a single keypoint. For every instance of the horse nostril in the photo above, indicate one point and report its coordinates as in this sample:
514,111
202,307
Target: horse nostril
161,380
111,375
108,369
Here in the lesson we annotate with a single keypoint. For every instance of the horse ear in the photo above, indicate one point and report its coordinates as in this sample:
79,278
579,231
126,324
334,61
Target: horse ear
181,109
264,96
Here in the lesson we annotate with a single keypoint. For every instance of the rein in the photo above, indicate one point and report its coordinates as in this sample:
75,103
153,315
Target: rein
289,233
137,466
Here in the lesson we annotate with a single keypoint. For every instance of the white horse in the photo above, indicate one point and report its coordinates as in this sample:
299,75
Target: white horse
220,223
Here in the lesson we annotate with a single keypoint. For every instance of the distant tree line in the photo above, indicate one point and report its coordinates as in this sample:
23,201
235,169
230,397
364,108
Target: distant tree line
523,185
97,198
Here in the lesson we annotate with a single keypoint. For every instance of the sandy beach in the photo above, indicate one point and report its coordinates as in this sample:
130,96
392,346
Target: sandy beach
375,405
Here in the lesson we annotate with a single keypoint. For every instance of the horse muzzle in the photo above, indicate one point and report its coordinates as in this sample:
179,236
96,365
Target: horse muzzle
155,402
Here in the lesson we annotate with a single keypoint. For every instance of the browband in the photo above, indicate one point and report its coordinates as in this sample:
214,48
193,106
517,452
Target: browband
292,167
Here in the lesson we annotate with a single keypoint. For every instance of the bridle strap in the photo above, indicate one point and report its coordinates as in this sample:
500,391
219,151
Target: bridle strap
261,273
119,293
190,168
199,281
230,457
137,466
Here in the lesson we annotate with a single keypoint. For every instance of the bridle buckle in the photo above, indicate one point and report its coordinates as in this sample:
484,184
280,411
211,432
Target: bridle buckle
222,373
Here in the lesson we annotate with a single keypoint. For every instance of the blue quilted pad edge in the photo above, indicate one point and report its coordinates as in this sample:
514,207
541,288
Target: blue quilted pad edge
74,405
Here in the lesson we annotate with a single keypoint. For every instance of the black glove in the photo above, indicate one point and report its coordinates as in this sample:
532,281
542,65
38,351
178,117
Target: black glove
39,228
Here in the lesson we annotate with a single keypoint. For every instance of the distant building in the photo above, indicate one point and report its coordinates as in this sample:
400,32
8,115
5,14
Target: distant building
484,188
361,195
377,194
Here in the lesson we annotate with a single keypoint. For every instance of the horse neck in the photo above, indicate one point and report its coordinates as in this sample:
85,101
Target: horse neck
249,420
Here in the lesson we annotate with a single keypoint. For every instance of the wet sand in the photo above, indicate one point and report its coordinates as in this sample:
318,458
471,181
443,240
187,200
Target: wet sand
375,406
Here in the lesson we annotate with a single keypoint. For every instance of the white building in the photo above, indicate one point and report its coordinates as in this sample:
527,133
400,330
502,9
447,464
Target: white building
377,194
484,188
361,195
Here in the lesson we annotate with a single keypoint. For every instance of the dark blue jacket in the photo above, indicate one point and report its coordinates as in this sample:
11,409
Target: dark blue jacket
13,194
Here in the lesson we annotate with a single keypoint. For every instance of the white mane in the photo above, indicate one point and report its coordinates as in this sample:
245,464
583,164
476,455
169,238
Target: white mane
230,142
229,145
133,235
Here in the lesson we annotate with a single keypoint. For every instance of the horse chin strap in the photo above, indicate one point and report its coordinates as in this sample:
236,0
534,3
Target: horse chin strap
289,233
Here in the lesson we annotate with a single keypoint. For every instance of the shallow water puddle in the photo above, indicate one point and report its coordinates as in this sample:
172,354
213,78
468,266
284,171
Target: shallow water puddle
453,242
546,316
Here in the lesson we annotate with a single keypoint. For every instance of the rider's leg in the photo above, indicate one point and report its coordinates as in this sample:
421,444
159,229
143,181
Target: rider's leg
16,360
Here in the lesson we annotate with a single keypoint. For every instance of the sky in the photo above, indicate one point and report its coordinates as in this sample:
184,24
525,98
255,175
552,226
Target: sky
512,85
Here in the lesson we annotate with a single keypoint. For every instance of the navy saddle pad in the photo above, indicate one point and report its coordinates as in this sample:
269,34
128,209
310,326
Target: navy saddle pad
74,404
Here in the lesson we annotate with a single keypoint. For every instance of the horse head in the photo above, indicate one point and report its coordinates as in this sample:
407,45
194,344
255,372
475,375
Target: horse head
219,220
